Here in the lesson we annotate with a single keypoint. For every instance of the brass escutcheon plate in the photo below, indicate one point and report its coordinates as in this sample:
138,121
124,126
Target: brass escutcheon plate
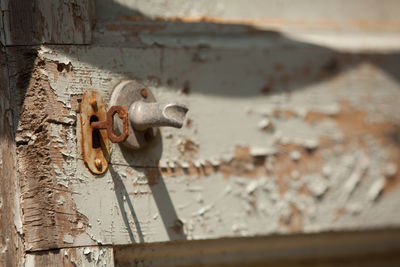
95,146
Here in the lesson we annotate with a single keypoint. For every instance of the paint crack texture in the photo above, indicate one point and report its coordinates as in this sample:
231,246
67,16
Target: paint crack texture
279,138
312,168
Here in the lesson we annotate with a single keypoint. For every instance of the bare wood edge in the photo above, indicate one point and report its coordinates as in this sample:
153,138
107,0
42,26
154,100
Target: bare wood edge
376,246
40,110
11,242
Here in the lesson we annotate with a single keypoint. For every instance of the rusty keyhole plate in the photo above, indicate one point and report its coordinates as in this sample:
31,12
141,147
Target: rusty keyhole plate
95,146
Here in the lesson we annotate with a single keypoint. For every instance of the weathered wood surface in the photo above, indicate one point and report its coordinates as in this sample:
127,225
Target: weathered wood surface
286,133
272,144
41,21
11,242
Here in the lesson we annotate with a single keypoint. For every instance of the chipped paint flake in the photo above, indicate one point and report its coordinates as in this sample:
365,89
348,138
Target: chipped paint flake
68,239
317,185
376,188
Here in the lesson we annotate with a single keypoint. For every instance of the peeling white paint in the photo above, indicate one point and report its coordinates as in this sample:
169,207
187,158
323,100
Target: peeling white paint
295,155
261,151
355,176
212,206
354,208
327,171
376,188
87,251
317,185
61,200
68,239
251,187
264,124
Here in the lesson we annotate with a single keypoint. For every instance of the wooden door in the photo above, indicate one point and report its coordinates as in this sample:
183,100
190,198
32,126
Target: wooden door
289,153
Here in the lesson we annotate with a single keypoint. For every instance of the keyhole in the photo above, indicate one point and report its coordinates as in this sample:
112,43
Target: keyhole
96,137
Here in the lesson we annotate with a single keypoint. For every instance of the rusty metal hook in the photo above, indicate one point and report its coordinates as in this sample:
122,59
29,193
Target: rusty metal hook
108,124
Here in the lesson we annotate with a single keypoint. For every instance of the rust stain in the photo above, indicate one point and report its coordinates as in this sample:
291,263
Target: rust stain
95,146
107,124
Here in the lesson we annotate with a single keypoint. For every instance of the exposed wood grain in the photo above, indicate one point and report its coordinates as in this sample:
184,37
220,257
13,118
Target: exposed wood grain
50,219
41,21
11,242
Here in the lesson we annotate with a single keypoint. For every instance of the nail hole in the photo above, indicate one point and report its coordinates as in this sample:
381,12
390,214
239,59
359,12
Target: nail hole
96,137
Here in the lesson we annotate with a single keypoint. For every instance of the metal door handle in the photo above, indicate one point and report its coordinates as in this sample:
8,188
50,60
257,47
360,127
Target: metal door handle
145,113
